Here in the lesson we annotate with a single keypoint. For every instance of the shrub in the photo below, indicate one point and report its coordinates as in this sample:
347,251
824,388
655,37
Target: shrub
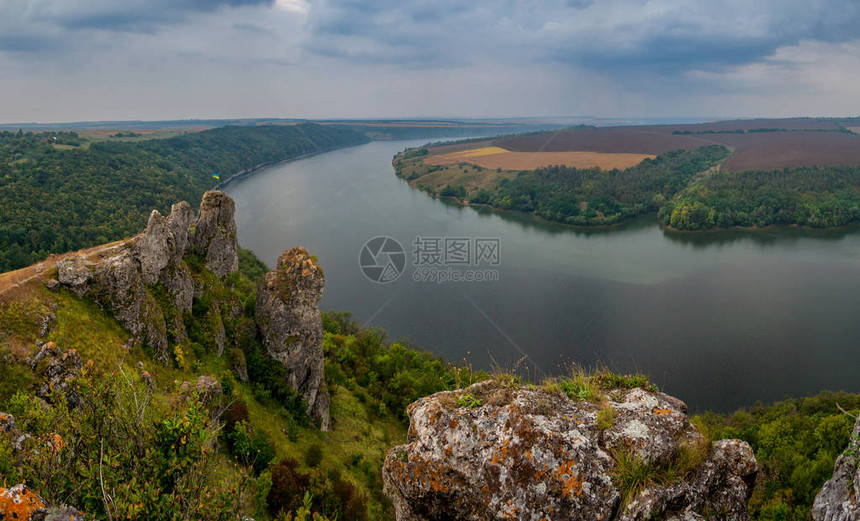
288,487
352,503
251,449
314,455
156,464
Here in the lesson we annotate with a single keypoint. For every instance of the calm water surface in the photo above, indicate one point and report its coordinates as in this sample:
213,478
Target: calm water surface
719,319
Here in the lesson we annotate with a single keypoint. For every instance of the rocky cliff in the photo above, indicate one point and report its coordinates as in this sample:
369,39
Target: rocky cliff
505,451
290,323
119,280
839,498
126,280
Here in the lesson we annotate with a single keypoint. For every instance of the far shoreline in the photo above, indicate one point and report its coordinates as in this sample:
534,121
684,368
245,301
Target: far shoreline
662,226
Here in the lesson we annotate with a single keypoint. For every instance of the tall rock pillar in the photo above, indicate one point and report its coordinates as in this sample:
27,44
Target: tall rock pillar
290,323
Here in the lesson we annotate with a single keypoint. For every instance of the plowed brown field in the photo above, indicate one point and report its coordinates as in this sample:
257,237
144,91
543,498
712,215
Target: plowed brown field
497,157
752,150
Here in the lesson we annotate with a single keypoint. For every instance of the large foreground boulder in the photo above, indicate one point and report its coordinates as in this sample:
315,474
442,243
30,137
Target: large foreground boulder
839,498
290,323
496,451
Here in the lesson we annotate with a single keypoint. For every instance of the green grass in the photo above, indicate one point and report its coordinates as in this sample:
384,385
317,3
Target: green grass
633,474
593,386
84,326
467,401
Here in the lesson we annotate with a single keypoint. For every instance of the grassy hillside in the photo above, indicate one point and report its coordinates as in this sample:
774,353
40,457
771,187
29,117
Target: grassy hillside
261,458
264,457
59,195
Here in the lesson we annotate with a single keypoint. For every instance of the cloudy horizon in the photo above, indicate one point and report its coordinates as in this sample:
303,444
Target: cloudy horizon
71,60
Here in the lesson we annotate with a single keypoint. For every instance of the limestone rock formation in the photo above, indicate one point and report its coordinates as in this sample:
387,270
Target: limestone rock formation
215,233
531,454
839,498
57,370
74,273
179,224
290,323
154,248
118,280
7,422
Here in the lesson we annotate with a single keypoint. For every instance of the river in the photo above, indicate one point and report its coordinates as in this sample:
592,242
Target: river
718,319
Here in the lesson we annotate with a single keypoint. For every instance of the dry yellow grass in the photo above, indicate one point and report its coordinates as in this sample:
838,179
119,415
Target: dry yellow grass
11,279
497,157
856,130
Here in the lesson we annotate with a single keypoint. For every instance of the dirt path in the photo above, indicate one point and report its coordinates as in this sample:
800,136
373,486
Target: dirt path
11,279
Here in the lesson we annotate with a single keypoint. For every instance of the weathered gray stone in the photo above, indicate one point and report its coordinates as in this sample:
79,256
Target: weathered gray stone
215,233
177,280
530,454
290,323
207,388
154,248
839,498
120,288
74,273
65,514
179,223
57,370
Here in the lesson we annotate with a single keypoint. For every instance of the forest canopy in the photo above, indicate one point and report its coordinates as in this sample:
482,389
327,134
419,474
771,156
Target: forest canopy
59,196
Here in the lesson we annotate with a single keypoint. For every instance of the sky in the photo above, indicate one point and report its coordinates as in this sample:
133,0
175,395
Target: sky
89,60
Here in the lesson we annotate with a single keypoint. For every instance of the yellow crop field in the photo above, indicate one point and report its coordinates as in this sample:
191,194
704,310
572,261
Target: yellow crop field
497,157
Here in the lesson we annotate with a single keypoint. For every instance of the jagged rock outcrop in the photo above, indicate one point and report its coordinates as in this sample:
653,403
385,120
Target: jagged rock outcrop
290,323
154,248
57,369
118,280
531,454
215,233
179,223
839,498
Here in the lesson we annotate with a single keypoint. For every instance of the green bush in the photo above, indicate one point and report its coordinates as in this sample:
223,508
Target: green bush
157,464
314,455
253,449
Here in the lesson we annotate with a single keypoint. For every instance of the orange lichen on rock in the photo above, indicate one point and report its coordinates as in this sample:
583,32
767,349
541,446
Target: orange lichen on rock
571,482
20,503
54,443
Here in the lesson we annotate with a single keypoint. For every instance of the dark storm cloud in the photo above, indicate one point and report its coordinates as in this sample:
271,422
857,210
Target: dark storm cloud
664,35
140,16
26,43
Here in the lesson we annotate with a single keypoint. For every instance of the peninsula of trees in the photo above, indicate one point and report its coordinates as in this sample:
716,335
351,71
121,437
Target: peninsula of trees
783,172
